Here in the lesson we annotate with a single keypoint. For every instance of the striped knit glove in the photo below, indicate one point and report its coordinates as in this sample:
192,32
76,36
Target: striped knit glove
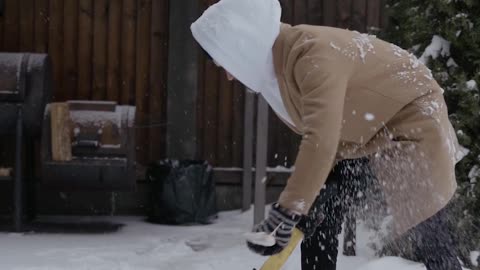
281,222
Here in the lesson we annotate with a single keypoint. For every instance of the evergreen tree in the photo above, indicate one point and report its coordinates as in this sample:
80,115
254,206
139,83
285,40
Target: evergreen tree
445,34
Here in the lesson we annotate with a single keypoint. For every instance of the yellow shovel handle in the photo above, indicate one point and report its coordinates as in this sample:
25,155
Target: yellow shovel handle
275,262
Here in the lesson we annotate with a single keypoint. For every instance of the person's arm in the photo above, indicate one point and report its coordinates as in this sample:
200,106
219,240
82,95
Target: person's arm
322,83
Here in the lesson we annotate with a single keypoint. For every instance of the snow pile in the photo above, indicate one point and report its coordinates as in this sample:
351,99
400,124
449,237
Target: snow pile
438,46
279,169
462,151
472,85
451,63
97,118
474,174
143,246
475,257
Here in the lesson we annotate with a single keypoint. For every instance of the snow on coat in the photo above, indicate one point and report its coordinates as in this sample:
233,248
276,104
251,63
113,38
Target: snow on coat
352,95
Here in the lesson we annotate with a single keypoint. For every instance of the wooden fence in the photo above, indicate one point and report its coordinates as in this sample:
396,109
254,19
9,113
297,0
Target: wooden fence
118,49
100,49
220,110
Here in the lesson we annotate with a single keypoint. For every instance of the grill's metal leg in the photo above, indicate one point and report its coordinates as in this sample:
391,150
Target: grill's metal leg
18,185
261,160
29,180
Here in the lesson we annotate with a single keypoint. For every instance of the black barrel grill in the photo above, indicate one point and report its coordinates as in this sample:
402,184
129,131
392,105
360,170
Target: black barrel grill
102,134
25,89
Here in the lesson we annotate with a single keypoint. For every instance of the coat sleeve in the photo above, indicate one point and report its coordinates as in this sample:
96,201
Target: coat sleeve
322,83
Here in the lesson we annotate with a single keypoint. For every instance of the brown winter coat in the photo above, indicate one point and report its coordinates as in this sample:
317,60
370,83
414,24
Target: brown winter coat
352,95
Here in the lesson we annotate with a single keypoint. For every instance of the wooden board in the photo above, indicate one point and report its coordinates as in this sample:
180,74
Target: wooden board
2,22
26,25
113,50
373,14
41,25
384,18
315,12
288,11
11,26
359,15
300,11
344,8
55,48
129,14
70,48
330,12
60,131
99,49
85,49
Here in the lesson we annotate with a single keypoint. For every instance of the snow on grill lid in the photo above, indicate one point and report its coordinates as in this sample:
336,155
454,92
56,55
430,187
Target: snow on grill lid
96,118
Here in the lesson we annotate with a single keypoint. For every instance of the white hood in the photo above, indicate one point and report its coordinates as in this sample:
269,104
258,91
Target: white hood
239,36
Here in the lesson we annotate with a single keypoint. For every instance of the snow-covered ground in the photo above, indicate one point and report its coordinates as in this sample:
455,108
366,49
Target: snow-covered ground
143,246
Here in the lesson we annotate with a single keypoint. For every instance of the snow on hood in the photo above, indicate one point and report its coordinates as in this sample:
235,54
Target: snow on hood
239,35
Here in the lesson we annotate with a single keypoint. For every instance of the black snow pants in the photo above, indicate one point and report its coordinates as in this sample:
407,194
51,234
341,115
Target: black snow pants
433,239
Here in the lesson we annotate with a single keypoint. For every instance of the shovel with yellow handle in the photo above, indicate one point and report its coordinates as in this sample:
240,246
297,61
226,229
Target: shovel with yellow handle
306,227
275,262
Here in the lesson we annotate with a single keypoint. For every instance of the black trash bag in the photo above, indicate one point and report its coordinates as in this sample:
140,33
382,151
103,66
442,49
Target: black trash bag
181,192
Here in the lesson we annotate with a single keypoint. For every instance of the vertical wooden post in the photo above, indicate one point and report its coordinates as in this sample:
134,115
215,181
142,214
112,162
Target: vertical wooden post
248,150
182,80
261,160
239,95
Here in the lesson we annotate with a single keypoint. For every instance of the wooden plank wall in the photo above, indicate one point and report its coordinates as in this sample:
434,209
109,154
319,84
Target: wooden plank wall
220,102
101,50
117,50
